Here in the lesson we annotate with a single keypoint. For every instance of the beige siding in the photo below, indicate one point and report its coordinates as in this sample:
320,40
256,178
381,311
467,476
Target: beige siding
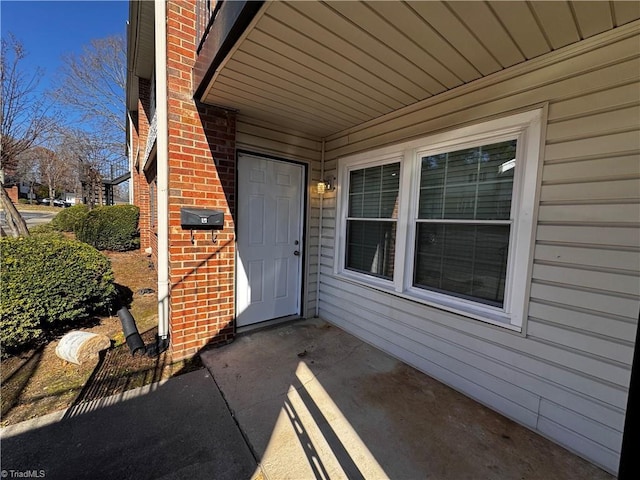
567,376
263,138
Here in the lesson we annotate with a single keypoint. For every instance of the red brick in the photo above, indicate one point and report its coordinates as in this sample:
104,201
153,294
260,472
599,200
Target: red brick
201,274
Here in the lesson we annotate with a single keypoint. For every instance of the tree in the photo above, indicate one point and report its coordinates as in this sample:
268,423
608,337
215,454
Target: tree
27,170
25,119
93,85
55,171
85,153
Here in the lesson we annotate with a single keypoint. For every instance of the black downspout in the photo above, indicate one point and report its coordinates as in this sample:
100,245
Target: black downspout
158,347
130,331
629,462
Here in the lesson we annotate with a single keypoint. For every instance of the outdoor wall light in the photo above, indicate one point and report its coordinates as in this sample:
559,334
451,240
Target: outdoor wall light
328,185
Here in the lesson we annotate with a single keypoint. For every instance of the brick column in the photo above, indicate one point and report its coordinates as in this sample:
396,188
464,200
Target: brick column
12,192
201,174
135,173
143,191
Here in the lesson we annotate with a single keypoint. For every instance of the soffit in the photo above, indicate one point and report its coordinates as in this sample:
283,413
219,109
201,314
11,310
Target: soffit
322,67
145,48
140,47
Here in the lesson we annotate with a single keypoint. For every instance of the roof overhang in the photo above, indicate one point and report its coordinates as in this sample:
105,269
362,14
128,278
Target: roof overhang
229,24
324,67
140,47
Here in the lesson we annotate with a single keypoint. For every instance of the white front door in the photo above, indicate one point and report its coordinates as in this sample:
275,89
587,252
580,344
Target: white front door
269,241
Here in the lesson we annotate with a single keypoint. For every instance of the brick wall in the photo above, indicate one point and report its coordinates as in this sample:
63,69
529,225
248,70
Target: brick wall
134,142
154,249
12,192
143,200
201,174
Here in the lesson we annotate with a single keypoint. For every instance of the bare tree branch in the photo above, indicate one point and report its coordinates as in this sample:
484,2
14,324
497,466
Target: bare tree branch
27,170
86,154
55,170
26,116
25,119
93,84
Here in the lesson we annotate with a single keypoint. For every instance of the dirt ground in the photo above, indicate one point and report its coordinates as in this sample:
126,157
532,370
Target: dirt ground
38,382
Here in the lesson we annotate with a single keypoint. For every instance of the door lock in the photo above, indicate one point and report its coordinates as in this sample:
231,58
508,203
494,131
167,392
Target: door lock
296,253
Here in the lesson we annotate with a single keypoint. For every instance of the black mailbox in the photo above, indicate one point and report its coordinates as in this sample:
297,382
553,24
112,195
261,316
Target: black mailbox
201,218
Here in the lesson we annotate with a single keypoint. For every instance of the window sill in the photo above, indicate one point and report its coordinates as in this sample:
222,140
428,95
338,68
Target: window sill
467,309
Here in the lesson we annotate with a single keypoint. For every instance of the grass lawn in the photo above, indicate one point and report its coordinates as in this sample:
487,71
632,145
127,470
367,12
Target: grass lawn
38,382
36,207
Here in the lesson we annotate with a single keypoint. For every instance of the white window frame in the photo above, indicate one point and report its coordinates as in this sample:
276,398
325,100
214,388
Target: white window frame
360,164
526,127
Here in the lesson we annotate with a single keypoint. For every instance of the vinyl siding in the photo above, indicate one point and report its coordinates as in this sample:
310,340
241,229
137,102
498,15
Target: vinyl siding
567,375
259,137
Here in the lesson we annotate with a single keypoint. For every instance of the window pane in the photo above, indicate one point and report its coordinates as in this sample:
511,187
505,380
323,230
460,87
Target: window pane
462,167
495,183
433,170
468,261
372,179
460,202
356,205
371,247
431,203
391,177
494,201
474,183
371,206
373,191
494,157
356,181
389,205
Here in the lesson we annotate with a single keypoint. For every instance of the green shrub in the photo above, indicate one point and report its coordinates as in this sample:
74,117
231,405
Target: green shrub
69,219
49,283
23,201
111,228
44,229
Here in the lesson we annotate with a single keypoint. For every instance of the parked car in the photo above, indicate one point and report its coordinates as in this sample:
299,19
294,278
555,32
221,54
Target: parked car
56,202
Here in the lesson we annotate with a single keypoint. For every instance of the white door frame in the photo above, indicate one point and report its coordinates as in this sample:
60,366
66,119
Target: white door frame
301,247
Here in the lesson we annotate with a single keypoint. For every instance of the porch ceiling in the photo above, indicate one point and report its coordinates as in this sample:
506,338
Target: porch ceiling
322,67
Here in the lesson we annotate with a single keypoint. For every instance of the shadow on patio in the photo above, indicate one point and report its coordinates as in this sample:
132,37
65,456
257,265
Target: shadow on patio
315,402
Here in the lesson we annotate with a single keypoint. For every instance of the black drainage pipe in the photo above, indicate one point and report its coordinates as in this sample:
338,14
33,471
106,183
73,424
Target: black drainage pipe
130,331
160,345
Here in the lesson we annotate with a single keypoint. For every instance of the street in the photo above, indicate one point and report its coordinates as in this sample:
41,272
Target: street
32,217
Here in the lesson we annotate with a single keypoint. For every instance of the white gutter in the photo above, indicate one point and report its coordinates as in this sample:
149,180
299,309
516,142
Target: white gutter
320,232
162,162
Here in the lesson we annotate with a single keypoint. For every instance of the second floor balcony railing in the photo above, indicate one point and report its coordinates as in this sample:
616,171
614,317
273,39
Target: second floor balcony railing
206,11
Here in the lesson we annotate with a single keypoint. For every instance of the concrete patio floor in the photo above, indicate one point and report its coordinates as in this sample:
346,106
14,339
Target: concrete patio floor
315,402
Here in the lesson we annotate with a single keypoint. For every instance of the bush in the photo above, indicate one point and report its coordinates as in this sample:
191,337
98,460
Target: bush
45,229
49,283
69,219
23,201
111,228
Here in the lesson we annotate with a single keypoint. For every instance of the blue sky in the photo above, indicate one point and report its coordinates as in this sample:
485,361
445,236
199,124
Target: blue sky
49,29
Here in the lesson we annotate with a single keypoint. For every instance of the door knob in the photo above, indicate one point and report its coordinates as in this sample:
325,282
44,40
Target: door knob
296,253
